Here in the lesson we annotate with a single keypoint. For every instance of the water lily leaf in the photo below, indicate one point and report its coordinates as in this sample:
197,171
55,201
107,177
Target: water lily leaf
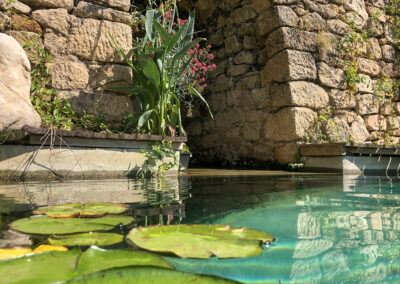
200,241
21,251
87,239
82,210
43,225
95,259
45,267
147,275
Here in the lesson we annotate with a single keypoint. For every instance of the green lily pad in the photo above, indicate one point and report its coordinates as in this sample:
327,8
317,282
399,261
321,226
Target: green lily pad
87,239
82,210
147,275
200,241
45,267
95,259
49,267
43,225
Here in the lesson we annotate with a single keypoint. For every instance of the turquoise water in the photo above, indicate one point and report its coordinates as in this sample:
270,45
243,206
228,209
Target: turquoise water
339,232
328,229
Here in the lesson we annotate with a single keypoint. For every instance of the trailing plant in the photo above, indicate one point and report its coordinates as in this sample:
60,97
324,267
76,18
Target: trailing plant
350,46
324,128
159,62
155,163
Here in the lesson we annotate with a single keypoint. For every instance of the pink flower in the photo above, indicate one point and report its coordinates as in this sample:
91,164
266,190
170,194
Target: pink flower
214,66
205,85
209,46
210,56
197,45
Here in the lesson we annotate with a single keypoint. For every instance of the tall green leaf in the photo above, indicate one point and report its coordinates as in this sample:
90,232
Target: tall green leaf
174,40
145,117
197,94
160,30
149,24
149,69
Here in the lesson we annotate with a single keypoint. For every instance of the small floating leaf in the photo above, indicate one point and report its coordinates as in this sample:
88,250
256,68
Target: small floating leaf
20,251
95,259
87,239
200,241
147,275
43,225
82,210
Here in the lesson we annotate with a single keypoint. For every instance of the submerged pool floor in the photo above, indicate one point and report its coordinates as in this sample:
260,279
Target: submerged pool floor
328,229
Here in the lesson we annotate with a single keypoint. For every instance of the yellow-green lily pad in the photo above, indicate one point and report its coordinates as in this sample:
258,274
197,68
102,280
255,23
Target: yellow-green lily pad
200,241
87,239
95,259
151,275
57,267
44,225
82,210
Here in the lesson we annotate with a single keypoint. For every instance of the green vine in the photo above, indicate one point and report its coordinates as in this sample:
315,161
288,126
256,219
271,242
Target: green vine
155,160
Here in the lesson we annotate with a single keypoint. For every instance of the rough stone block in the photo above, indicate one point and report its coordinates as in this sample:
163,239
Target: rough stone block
87,10
366,86
15,6
366,104
244,57
389,53
112,105
85,38
298,93
373,49
289,65
68,73
236,70
232,45
251,130
123,5
66,4
290,124
331,77
100,74
285,153
375,122
242,14
284,37
342,99
337,26
260,5
368,66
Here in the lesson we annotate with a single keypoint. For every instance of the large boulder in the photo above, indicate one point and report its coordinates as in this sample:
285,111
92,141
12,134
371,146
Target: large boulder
15,106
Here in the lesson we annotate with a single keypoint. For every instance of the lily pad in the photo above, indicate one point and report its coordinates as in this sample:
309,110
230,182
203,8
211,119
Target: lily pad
200,241
147,275
7,253
43,225
45,267
95,259
87,239
82,210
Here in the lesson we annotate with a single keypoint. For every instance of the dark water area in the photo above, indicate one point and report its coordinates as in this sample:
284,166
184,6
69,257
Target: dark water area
328,228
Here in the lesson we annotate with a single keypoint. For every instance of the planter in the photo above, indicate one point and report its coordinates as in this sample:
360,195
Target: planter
184,159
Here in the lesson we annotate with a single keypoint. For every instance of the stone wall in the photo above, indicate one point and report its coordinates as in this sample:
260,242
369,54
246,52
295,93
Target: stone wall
280,73
83,55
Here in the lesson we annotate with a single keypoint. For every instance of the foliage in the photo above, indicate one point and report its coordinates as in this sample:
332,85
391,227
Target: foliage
89,209
393,8
324,129
158,64
200,241
185,149
57,267
87,239
155,160
43,225
350,47
148,275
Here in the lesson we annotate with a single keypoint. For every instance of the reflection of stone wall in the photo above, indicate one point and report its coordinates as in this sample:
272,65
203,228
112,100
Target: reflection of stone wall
278,68
84,57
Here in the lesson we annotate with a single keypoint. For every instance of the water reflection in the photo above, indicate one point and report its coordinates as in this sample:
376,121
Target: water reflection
345,232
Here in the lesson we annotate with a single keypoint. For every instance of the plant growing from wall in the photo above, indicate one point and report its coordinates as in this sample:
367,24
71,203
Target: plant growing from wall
159,61
155,160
